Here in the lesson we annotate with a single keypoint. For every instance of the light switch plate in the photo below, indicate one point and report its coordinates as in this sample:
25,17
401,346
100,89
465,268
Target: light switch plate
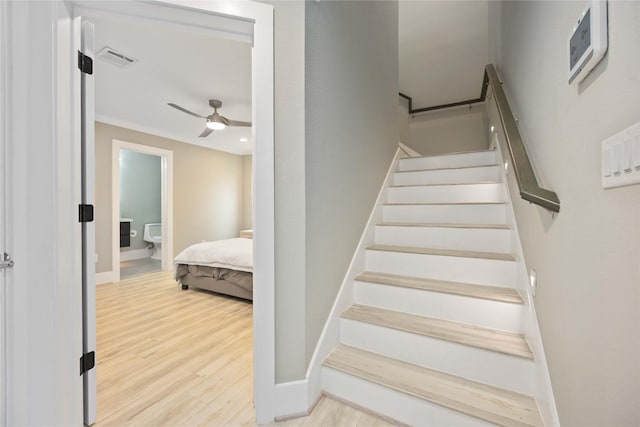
621,158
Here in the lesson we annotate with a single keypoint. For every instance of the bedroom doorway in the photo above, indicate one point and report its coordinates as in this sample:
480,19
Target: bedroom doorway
134,228
260,18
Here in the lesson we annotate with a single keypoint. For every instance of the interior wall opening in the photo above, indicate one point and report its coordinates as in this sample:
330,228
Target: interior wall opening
157,354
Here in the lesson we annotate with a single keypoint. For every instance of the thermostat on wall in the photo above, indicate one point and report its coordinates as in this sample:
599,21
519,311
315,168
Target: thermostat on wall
588,41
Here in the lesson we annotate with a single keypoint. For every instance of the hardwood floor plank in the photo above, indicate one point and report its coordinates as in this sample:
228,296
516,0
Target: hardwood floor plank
168,357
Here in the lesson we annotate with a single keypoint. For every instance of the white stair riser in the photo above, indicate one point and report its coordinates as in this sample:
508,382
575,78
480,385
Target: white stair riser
455,214
447,176
485,366
457,308
481,158
463,193
399,406
451,268
470,239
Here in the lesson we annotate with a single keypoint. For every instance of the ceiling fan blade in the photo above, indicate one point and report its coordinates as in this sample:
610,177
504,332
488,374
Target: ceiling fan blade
238,123
206,133
184,110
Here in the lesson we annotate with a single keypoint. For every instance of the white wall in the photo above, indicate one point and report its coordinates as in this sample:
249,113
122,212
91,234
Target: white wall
443,50
588,299
452,130
289,41
247,192
351,137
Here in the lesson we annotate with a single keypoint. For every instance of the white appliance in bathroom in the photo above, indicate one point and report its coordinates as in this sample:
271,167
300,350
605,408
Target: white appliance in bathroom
153,234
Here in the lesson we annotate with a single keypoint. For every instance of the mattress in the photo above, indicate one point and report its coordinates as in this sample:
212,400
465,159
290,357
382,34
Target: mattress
223,266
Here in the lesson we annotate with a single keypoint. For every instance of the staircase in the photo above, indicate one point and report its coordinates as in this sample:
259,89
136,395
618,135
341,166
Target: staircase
435,334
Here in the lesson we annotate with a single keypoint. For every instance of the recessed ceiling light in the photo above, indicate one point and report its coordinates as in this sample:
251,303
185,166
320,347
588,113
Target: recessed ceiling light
243,139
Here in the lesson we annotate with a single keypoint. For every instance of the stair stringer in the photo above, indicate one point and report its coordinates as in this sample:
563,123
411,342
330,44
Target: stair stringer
408,151
544,391
330,336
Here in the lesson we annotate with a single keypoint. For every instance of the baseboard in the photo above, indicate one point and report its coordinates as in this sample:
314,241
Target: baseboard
291,400
544,395
104,277
330,336
134,254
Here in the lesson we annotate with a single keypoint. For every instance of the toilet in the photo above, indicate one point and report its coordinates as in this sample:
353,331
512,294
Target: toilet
153,234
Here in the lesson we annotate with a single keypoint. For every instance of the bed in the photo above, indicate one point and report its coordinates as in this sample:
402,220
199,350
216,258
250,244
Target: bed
222,266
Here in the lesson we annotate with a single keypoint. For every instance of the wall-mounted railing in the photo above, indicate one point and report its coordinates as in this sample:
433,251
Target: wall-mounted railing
528,185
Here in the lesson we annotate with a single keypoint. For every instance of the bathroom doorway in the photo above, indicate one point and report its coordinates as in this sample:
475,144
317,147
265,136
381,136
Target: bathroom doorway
142,200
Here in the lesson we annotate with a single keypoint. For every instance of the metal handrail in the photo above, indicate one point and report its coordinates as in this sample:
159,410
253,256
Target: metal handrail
528,185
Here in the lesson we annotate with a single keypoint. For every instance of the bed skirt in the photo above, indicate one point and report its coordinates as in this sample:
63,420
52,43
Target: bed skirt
221,280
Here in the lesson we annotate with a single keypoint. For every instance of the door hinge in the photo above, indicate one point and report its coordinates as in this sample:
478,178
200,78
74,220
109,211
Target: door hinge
6,261
87,362
85,213
85,63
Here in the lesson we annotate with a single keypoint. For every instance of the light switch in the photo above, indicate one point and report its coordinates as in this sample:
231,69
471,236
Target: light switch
621,158
626,154
636,152
606,162
616,161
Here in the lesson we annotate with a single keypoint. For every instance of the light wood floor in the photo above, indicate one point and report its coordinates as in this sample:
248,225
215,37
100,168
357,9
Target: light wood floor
167,357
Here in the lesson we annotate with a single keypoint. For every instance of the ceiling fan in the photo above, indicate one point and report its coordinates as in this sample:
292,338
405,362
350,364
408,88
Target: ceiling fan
214,121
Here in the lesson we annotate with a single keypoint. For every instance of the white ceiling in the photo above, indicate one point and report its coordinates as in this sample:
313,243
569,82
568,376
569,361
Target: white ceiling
443,50
442,53
178,65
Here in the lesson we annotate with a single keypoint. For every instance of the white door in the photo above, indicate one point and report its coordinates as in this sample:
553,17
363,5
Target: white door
85,29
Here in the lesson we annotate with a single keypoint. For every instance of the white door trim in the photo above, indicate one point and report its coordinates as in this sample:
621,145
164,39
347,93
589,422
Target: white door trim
4,278
166,203
208,14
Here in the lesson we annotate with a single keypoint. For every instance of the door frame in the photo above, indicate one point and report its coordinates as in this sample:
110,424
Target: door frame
4,276
216,16
166,201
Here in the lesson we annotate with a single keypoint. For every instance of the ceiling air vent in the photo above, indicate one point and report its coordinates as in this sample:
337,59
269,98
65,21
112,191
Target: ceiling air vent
114,57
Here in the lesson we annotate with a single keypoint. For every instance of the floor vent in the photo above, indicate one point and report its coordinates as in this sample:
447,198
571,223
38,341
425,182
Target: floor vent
114,57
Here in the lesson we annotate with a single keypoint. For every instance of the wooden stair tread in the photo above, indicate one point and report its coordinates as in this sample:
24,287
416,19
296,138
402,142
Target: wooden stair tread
493,293
446,168
445,184
475,336
444,225
455,153
443,252
499,406
444,203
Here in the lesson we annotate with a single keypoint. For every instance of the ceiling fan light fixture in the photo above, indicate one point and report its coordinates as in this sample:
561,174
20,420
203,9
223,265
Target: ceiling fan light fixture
214,121
215,125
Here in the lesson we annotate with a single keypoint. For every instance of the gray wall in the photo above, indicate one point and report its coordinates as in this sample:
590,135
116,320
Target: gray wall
289,147
446,131
140,192
351,136
207,191
247,192
587,257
